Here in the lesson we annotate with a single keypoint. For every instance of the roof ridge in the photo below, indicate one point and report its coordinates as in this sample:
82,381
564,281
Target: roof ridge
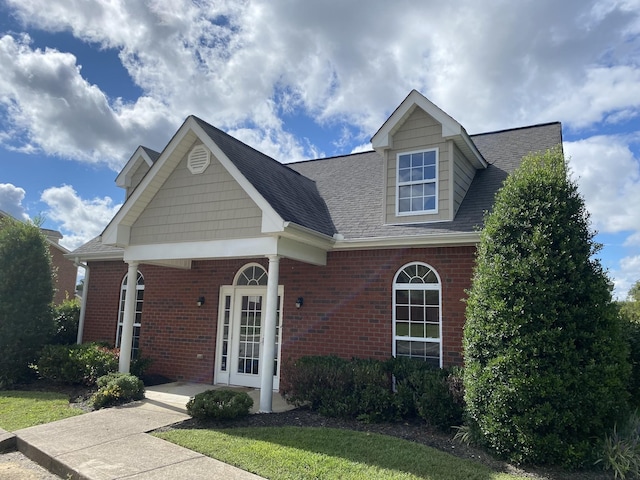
546,124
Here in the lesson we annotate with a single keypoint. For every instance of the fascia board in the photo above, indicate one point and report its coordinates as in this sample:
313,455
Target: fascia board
436,240
124,178
271,221
96,256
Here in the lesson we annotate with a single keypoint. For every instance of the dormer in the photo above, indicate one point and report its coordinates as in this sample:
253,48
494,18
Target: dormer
429,162
136,168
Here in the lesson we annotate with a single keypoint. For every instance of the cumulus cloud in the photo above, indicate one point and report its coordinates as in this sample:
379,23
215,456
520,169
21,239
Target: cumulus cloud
80,219
11,198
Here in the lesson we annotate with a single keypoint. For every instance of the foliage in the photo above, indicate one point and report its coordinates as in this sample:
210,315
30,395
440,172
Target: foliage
630,309
303,453
26,292
116,389
66,317
22,409
545,362
220,404
621,449
76,364
139,365
630,314
364,389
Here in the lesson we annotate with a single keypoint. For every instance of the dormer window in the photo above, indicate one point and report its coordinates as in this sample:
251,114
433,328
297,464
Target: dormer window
417,189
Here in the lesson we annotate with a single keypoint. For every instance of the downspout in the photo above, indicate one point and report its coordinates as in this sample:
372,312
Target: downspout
83,303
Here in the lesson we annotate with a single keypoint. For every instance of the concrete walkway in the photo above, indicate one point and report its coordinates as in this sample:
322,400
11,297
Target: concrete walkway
113,443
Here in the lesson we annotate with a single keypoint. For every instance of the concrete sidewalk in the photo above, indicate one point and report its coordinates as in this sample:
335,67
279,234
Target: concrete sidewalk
113,443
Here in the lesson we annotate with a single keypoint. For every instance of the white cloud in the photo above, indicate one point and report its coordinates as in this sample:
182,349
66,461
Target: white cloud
11,198
80,219
626,275
608,176
240,65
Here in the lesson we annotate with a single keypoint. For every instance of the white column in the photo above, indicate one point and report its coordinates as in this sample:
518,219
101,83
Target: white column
268,343
129,315
83,304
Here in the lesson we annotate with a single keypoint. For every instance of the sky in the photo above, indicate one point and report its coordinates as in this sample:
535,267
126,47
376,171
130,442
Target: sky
84,82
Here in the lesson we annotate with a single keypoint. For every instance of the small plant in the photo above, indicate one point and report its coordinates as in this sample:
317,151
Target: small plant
220,404
621,450
116,389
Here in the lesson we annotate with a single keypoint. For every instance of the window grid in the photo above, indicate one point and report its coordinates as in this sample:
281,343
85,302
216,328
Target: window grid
137,322
417,175
225,332
250,328
416,313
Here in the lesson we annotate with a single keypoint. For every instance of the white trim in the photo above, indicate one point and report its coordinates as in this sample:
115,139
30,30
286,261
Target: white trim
452,182
436,240
124,179
435,181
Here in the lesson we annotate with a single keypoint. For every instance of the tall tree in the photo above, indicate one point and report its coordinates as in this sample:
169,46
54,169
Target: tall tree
26,292
546,364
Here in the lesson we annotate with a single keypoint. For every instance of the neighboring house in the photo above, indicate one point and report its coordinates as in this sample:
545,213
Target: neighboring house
65,270
242,263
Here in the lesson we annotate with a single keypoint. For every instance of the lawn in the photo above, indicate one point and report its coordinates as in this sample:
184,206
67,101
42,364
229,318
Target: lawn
309,453
22,409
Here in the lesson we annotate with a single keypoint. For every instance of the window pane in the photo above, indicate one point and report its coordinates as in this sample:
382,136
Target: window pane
417,314
432,314
430,203
416,174
402,313
417,329
402,296
405,161
429,172
430,189
416,204
404,206
405,192
418,349
433,331
430,158
402,329
417,297
416,190
432,297
431,278
433,349
403,348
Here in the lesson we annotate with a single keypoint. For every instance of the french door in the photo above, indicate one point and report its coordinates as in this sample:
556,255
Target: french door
240,332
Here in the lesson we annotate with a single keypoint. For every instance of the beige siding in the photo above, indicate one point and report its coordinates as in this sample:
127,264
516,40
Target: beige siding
137,176
463,176
419,132
207,206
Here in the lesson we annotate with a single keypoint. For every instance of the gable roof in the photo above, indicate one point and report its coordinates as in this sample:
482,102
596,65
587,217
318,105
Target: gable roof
294,197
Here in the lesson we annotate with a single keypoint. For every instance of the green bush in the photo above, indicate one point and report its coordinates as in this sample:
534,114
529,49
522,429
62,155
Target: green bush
65,322
220,404
26,292
116,389
76,364
546,367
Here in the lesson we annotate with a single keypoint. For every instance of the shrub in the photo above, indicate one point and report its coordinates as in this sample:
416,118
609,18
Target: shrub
116,389
545,363
26,292
65,322
220,404
621,449
76,364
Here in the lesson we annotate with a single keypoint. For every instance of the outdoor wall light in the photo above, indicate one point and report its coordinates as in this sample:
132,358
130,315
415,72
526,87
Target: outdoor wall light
200,301
299,302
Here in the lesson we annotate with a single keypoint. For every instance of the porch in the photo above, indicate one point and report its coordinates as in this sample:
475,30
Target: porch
175,395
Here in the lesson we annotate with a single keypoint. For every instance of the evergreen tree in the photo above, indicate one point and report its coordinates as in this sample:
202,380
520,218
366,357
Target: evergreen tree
26,292
546,364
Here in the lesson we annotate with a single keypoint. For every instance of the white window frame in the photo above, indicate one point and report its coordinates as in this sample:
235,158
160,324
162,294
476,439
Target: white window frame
138,313
409,183
417,286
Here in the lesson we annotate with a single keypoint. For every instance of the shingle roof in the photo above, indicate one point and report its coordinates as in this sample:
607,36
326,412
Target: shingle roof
345,194
353,185
153,155
295,198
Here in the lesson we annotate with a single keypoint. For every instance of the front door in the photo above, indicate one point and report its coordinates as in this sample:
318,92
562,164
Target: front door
240,331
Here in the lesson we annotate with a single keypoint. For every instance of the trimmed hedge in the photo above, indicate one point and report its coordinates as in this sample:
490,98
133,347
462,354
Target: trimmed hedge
374,390
116,389
220,404
76,364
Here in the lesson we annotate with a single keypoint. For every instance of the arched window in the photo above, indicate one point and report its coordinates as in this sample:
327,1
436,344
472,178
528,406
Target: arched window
417,313
137,321
253,274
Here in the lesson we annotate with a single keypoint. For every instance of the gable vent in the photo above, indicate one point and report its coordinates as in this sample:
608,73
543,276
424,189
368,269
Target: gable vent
199,159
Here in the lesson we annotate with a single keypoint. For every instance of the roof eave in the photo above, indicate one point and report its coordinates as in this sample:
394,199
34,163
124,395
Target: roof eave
411,241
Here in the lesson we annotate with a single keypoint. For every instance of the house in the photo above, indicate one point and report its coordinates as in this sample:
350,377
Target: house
223,263
65,270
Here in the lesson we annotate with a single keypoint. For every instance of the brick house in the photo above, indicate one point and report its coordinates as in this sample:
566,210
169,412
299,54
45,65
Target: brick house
242,263
64,268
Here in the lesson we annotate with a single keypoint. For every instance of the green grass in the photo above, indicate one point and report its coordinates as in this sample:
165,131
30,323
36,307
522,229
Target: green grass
310,453
22,409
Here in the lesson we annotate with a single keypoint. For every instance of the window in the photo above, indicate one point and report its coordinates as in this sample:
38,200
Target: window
416,313
137,321
417,175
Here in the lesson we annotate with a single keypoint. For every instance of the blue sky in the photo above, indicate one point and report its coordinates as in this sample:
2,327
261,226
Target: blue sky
85,82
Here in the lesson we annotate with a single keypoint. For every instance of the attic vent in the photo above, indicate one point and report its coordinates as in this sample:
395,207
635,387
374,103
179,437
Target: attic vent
199,159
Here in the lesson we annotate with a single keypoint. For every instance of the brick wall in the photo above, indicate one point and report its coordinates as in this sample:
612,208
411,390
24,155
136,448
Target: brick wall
346,311
66,273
